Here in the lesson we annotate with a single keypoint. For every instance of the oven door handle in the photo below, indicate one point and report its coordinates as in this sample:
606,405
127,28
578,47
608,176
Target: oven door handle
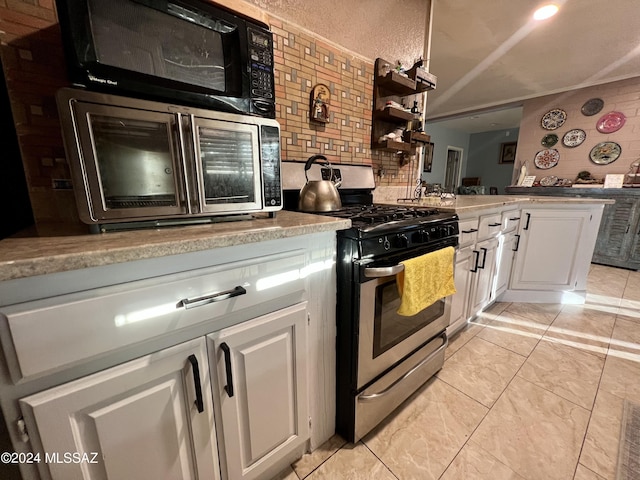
376,272
375,396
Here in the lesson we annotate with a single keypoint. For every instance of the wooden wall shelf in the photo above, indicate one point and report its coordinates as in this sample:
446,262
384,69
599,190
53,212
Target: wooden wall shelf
390,85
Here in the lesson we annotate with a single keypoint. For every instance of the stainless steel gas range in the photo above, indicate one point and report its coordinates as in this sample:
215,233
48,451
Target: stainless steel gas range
382,357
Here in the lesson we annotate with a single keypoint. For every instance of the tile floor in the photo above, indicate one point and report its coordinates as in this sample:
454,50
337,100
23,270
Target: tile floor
527,392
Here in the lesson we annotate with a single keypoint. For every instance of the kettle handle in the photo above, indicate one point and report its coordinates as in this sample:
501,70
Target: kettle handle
313,159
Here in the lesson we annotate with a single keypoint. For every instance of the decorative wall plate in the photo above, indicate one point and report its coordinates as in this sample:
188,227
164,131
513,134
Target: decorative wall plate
592,106
605,153
574,137
553,119
549,181
611,122
547,158
549,140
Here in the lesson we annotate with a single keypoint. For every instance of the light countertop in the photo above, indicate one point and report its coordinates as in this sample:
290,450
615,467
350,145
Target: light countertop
27,256
471,203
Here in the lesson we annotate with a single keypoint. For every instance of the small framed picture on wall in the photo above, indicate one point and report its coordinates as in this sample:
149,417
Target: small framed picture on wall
427,157
508,152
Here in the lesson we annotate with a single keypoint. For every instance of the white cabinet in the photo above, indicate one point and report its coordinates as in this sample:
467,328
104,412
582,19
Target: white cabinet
508,245
147,419
550,249
460,300
483,272
260,390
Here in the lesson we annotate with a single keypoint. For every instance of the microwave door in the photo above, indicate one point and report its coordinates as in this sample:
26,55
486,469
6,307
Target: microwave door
131,163
228,166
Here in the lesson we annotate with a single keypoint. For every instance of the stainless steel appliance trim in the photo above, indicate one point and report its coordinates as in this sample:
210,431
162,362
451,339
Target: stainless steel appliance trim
390,388
185,168
376,272
370,413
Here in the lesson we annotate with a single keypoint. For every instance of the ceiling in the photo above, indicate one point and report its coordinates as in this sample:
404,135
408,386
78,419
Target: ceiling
490,55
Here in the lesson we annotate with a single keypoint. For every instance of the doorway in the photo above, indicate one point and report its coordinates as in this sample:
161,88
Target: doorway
452,170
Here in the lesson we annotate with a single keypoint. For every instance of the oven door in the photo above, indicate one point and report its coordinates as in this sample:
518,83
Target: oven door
385,337
228,166
127,160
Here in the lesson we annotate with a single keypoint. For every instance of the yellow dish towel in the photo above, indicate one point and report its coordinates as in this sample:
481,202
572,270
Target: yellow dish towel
425,280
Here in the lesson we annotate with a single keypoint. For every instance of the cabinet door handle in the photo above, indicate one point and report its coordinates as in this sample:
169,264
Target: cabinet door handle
517,243
495,224
475,263
526,227
214,297
627,230
473,230
196,380
484,257
227,367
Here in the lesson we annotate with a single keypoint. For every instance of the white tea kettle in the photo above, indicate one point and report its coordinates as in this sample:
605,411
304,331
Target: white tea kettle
319,195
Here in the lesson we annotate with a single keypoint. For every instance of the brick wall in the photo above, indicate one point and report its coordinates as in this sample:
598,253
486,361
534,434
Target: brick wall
33,64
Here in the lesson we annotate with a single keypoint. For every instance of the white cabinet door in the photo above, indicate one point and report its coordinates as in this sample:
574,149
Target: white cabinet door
260,391
550,249
460,300
148,419
506,252
483,276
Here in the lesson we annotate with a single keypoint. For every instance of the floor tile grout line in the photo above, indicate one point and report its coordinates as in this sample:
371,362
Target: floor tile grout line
380,460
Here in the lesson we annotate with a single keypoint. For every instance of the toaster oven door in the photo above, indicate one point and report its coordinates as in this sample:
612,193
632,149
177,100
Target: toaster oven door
228,166
128,162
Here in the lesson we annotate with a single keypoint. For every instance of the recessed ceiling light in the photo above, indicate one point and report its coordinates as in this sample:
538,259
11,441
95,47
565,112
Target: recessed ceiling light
545,12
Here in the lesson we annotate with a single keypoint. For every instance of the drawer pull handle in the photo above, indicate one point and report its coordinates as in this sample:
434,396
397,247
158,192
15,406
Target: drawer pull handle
515,249
227,367
214,297
513,219
526,227
196,380
495,224
484,258
473,230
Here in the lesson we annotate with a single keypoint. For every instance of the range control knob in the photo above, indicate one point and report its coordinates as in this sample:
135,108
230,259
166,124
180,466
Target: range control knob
401,241
424,235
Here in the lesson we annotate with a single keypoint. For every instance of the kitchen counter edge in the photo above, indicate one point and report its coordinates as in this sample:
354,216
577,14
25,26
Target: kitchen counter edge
464,204
22,257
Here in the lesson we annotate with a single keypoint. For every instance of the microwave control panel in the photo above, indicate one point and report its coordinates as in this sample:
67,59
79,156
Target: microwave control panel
261,67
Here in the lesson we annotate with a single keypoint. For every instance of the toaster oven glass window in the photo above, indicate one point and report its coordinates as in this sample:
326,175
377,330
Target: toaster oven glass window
134,162
228,166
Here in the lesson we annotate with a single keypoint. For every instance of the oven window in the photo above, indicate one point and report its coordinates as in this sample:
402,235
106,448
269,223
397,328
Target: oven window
228,171
134,161
391,328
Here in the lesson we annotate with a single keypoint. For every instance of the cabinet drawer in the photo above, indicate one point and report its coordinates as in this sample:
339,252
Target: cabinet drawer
47,335
468,231
510,220
489,225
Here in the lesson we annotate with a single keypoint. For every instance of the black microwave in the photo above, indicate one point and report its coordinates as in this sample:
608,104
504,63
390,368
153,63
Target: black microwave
189,52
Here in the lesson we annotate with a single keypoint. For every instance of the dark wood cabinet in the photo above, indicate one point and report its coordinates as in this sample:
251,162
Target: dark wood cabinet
618,242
